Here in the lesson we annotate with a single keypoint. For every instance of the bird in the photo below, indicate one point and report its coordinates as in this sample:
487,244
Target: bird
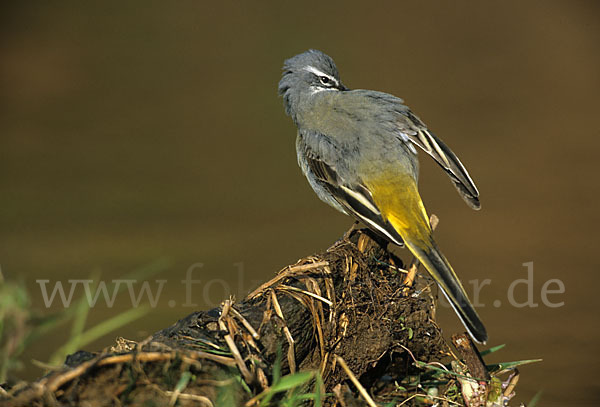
358,150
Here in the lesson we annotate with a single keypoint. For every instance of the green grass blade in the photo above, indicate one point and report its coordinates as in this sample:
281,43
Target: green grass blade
103,328
319,386
497,367
276,371
292,380
47,323
183,381
492,350
146,271
535,399
285,383
81,314
440,370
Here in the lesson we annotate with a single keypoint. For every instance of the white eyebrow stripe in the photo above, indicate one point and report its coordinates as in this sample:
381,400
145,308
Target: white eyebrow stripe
318,72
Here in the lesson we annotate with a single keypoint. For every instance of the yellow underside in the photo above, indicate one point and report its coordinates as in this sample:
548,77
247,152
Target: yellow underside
400,204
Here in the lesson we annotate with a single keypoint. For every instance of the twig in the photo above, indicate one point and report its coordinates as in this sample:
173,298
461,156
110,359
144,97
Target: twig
361,246
291,355
363,392
195,397
511,383
231,343
410,398
286,272
246,324
471,356
291,288
55,381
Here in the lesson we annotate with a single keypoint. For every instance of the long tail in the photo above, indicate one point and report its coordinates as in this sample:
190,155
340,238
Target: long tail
440,269
401,206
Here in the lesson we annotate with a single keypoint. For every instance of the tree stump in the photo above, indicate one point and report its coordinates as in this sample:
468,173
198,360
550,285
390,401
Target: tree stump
347,303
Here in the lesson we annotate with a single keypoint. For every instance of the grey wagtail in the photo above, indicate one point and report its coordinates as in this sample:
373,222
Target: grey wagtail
357,148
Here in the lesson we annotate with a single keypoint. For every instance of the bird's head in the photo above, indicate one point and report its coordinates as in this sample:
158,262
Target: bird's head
306,74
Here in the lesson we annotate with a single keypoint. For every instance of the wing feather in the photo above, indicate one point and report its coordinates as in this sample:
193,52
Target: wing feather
457,172
446,159
356,199
410,125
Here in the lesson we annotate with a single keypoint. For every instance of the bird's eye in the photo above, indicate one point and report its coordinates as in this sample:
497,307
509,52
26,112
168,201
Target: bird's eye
325,80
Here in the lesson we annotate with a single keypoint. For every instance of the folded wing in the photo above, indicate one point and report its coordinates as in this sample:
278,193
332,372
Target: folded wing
412,127
355,198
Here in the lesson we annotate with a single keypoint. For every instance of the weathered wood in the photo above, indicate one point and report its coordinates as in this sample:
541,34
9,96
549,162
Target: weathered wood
471,356
347,302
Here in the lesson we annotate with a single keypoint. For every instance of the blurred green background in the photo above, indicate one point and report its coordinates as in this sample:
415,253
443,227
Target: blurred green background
137,131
